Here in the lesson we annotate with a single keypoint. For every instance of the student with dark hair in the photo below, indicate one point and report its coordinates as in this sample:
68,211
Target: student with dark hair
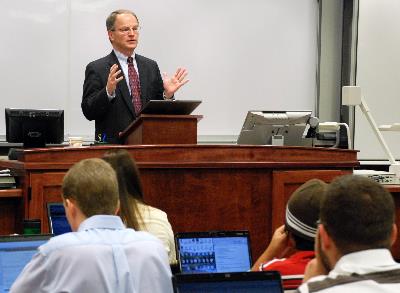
295,239
101,255
134,211
357,228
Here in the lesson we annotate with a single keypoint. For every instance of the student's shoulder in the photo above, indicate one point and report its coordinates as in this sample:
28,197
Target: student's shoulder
152,211
138,236
141,238
59,242
314,284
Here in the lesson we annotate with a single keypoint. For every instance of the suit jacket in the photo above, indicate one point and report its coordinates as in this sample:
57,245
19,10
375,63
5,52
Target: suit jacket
112,117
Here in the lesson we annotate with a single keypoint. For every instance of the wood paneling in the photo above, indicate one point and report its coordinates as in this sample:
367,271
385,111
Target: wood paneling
10,210
45,187
286,182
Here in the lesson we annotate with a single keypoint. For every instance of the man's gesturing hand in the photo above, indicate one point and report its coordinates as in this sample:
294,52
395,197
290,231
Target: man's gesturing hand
113,79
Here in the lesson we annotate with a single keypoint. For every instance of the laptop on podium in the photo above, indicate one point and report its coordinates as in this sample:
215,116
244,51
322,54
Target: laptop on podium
170,107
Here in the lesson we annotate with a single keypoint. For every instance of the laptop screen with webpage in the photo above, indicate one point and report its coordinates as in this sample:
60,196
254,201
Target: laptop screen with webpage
58,223
246,282
213,252
15,253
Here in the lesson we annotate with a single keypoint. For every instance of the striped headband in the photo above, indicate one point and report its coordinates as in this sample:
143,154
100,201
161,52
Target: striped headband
299,226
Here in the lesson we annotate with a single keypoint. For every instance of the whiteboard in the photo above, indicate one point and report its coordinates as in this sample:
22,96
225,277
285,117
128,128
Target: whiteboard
378,63
241,55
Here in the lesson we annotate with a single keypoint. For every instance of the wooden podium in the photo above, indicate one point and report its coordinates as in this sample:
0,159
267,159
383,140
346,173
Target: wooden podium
162,129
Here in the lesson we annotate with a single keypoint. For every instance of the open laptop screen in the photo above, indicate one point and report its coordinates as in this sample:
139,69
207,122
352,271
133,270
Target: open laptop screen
58,222
246,282
213,252
15,253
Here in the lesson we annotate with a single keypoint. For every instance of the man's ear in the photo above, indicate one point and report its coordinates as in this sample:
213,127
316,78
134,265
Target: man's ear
394,234
70,205
110,36
325,239
118,208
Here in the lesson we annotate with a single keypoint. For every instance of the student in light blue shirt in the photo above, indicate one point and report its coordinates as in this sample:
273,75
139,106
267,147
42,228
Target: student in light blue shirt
101,255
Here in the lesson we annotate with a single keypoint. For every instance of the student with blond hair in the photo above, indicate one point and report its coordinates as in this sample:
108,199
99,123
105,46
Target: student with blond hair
101,255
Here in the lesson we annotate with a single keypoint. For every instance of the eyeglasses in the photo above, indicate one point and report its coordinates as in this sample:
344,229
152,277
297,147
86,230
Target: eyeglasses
127,30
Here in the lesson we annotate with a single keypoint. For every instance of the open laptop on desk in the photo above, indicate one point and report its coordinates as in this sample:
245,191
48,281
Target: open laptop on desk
213,252
58,223
15,253
246,282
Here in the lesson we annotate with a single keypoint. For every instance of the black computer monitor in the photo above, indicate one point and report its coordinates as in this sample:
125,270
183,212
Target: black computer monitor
34,127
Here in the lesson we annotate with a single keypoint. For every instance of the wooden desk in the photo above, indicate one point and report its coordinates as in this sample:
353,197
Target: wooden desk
11,193
11,210
200,187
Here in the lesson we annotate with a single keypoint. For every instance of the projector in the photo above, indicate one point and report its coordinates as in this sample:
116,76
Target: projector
382,177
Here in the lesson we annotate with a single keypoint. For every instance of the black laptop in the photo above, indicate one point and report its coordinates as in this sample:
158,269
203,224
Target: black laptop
213,252
170,107
244,282
15,253
58,223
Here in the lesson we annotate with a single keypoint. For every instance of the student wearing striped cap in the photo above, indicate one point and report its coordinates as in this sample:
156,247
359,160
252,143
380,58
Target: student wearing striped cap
292,245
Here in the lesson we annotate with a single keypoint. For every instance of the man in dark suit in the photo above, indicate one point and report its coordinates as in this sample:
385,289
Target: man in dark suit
119,84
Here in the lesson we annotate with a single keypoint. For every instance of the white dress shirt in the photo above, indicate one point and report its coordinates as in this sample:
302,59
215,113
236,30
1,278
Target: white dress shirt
102,256
368,271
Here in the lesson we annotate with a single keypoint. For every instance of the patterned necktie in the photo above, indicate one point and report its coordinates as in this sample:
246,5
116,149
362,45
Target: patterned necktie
134,85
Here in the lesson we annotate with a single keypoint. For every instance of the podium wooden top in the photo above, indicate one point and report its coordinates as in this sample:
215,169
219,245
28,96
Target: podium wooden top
144,117
159,156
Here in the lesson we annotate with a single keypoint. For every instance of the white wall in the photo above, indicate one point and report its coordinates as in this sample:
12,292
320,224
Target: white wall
241,55
378,64
330,60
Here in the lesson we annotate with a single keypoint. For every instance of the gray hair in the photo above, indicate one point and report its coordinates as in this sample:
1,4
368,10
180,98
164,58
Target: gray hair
110,21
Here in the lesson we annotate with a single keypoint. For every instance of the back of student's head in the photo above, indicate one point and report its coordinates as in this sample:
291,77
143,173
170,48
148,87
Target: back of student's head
302,213
130,185
92,183
358,214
